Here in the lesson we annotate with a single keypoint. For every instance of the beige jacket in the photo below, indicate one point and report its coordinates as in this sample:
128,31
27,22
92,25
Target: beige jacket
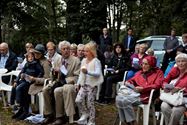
73,68
39,82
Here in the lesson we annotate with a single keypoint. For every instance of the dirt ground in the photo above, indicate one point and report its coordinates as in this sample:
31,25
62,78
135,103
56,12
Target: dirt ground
105,115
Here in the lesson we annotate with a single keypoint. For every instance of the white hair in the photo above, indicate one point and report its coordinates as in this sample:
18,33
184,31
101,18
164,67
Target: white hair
181,56
80,46
63,43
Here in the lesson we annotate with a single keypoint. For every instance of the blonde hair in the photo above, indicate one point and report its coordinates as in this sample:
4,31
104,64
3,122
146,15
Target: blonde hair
91,46
150,50
144,45
50,44
73,46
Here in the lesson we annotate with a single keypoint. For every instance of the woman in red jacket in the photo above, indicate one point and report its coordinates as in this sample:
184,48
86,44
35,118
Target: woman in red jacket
177,78
144,81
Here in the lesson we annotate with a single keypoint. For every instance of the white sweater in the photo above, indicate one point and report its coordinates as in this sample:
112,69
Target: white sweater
94,74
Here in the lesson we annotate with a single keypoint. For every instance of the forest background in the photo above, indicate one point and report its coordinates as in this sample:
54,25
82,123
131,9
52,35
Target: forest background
79,21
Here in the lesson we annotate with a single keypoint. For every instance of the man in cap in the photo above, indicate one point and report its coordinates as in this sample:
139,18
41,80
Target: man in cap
39,52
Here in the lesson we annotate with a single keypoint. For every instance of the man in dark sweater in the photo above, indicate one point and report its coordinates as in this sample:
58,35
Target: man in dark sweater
105,40
170,45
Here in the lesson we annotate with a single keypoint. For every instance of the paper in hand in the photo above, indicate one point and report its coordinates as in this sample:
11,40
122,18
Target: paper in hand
26,77
63,70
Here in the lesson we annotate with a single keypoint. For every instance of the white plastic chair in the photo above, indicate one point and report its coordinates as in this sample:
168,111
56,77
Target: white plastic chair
40,98
162,120
100,85
7,87
145,107
119,84
146,110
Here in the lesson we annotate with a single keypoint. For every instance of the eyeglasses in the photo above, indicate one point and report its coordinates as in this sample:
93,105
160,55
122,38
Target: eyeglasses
65,48
50,49
144,63
28,47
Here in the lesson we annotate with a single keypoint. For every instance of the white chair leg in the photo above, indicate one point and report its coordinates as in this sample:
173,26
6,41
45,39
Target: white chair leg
146,116
119,122
3,97
181,120
162,119
138,114
41,102
154,117
98,91
32,99
8,97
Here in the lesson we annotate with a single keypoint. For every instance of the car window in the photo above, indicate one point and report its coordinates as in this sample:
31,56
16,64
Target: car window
157,45
148,42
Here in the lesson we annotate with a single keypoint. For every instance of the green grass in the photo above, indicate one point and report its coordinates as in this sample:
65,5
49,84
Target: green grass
105,115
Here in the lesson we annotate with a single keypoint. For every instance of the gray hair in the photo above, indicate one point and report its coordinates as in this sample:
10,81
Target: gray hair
63,43
80,46
181,56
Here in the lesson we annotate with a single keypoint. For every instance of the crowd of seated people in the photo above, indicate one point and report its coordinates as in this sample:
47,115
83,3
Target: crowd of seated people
63,68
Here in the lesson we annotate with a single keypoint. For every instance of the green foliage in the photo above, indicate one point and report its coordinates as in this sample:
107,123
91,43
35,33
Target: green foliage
38,21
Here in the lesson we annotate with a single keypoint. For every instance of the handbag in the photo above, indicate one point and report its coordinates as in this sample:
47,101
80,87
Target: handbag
126,91
175,99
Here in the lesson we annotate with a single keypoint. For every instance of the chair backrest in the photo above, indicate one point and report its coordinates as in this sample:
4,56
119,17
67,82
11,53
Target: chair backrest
2,71
4,86
11,74
151,97
125,75
15,72
119,84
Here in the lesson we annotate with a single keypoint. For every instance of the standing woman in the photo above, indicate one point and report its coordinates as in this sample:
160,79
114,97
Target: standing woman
178,78
90,77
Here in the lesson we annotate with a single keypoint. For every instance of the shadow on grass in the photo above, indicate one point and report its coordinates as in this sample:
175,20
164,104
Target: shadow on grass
105,115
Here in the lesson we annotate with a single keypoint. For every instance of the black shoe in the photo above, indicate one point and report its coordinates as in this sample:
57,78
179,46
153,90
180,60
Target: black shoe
18,113
48,119
58,121
108,101
23,116
100,102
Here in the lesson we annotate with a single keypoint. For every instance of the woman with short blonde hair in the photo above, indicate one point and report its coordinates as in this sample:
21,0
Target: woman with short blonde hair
90,77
